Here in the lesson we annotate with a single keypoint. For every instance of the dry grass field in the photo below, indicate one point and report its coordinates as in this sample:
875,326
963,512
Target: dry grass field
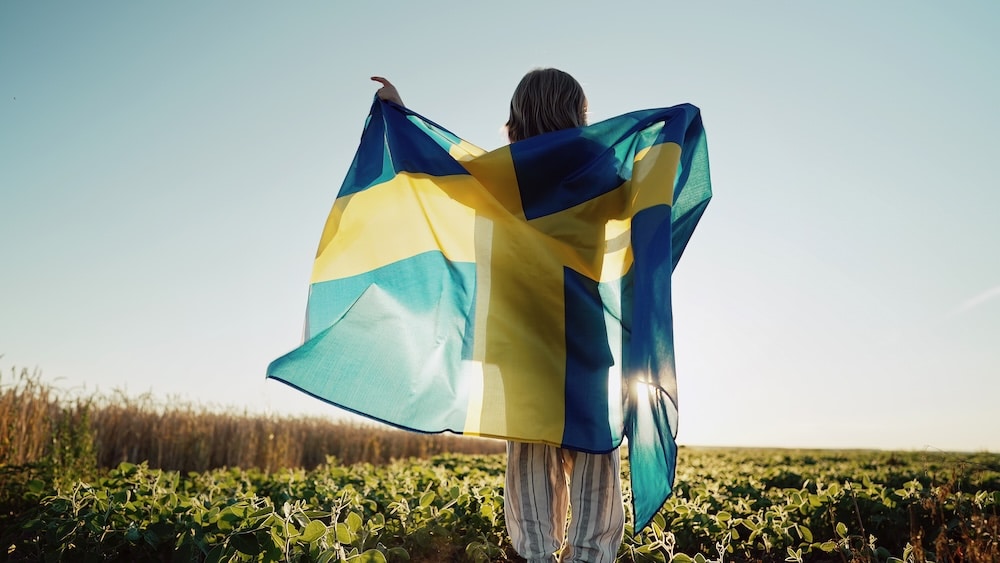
38,421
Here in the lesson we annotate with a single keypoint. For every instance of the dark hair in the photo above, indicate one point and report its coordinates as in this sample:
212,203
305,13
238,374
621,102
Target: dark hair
546,99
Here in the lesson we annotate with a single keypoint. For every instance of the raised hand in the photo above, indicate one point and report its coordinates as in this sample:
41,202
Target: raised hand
387,92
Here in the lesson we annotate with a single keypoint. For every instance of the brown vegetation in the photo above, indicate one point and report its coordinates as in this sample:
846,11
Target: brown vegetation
39,422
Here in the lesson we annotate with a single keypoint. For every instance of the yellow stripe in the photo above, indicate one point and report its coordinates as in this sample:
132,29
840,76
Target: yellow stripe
477,389
592,238
654,171
414,213
464,151
495,170
617,250
519,285
523,337
473,378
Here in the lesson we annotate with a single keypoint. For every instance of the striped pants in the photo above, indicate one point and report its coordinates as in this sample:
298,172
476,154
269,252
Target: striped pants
542,482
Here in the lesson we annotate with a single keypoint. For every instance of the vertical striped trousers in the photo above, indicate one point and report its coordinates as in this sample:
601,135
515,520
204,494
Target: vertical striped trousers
542,482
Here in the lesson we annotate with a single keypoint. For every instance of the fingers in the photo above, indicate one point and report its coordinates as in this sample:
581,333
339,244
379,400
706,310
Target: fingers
387,92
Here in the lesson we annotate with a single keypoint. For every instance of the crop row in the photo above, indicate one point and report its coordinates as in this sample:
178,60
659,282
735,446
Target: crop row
729,505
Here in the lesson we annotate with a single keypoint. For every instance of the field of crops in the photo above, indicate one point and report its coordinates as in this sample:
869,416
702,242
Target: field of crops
730,505
101,478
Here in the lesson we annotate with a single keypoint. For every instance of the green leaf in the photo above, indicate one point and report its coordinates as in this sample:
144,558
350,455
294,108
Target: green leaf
344,534
232,515
399,553
841,530
376,522
370,556
215,556
723,516
681,558
657,529
805,533
246,543
273,553
487,511
828,546
278,535
660,521
427,498
313,531
354,521
268,510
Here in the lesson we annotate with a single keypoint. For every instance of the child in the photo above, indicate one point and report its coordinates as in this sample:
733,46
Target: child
543,481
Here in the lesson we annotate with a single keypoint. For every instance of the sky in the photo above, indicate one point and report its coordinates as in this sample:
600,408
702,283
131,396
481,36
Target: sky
166,169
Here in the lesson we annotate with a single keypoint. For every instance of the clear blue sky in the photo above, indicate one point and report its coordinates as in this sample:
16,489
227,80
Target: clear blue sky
166,169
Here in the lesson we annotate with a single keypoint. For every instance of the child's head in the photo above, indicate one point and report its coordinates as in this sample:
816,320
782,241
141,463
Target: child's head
546,99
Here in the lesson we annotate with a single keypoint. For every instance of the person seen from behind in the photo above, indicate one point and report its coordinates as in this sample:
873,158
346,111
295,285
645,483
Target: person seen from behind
542,481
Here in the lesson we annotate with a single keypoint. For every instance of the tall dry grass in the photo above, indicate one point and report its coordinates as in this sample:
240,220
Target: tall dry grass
39,422
26,409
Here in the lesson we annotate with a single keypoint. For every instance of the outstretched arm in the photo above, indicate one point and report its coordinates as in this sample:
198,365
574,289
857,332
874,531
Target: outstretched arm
387,92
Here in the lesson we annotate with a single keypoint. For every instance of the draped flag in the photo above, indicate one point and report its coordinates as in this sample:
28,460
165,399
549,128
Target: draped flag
522,293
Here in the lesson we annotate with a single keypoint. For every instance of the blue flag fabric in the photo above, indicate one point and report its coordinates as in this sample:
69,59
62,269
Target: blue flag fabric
522,293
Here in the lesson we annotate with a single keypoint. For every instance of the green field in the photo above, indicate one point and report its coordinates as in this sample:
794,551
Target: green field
730,505
101,478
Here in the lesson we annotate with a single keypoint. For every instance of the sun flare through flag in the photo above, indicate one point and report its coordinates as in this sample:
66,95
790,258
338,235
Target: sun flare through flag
522,293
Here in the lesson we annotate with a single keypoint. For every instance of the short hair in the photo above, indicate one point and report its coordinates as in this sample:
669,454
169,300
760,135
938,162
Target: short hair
546,99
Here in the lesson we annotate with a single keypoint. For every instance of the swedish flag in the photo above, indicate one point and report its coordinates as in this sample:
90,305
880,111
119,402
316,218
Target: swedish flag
522,293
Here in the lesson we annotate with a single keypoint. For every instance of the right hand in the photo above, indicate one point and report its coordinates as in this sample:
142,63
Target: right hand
387,92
